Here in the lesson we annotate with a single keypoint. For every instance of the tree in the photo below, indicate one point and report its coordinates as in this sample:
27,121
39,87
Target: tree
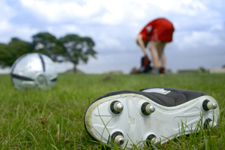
202,70
77,49
16,48
48,44
71,48
4,55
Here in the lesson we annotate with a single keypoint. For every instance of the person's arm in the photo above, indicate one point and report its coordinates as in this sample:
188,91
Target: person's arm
141,43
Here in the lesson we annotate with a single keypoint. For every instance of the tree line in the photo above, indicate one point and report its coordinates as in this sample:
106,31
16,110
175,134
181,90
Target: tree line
71,47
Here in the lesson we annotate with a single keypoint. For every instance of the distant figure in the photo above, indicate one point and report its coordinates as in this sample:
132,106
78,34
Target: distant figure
158,32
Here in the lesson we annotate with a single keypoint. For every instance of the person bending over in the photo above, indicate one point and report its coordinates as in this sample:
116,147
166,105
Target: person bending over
157,32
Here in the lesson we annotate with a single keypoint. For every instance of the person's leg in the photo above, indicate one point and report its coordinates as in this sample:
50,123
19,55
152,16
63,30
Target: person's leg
162,57
157,52
154,53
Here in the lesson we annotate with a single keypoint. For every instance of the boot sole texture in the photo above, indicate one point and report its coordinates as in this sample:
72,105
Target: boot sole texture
140,118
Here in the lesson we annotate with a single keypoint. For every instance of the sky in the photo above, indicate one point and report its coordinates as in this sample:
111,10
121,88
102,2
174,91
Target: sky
198,40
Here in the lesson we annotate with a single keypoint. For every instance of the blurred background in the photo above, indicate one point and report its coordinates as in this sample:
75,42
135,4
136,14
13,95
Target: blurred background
113,25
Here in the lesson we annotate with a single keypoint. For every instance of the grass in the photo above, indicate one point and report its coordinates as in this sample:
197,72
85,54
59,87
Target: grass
53,119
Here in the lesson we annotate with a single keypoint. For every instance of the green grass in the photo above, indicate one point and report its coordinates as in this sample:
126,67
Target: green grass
53,119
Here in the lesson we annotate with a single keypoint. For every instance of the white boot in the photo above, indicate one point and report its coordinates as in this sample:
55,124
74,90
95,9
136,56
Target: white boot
150,116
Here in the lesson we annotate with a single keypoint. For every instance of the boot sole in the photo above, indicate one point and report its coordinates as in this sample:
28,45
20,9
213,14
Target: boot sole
133,127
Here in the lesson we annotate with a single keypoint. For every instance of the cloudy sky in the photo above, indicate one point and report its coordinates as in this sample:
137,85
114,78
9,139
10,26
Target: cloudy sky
199,37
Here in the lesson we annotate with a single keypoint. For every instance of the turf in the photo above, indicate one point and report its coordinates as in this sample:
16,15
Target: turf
53,119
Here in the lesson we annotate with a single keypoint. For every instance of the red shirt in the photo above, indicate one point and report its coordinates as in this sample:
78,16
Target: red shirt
159,29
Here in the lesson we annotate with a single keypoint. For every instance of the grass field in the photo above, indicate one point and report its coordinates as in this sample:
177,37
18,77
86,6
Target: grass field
53,119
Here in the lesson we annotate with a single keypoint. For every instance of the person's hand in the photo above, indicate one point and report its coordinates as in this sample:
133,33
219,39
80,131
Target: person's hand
146,55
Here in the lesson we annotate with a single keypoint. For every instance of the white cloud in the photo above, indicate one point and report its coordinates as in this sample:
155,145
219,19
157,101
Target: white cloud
4,25
6,12
107,42
61,30
113,24
56,11
10,30
111,19
113,12
27,3
217,27
163,4
187,41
